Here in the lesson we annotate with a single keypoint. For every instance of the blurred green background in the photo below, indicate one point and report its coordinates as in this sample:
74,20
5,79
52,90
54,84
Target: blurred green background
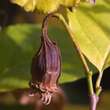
20,39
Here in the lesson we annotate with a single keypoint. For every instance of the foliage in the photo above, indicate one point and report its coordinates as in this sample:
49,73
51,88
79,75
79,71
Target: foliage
19,43
89,27
90,35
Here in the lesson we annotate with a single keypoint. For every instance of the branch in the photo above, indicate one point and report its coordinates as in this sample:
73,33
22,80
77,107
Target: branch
83,60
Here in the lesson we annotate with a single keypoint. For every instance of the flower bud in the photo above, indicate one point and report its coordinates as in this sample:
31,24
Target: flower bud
46,67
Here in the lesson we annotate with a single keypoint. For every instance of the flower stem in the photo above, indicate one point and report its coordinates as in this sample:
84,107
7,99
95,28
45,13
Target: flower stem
98,86
88,73
98,82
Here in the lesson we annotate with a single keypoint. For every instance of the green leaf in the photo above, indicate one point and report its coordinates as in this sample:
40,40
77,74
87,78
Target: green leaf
45,6
19,43
91,29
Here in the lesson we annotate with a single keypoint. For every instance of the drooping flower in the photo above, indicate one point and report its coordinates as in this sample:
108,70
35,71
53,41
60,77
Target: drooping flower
46,67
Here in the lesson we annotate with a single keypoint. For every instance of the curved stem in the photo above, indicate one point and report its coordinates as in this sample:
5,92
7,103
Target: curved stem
45,26
98,82
83,60
74,42
98,86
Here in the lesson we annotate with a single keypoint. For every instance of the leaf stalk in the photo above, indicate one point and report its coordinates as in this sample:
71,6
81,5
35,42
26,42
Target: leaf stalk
88,73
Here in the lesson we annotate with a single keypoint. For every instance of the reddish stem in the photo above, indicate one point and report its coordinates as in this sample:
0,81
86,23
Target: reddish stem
94,99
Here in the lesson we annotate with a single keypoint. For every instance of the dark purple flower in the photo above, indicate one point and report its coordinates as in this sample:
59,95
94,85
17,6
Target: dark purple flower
46,67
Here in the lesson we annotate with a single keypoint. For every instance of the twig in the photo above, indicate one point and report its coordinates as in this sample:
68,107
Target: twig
83,60
98,86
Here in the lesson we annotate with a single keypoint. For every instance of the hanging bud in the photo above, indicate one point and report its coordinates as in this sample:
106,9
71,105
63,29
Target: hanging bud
46,67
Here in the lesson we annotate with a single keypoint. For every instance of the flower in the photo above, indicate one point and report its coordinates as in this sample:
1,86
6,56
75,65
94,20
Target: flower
46,67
